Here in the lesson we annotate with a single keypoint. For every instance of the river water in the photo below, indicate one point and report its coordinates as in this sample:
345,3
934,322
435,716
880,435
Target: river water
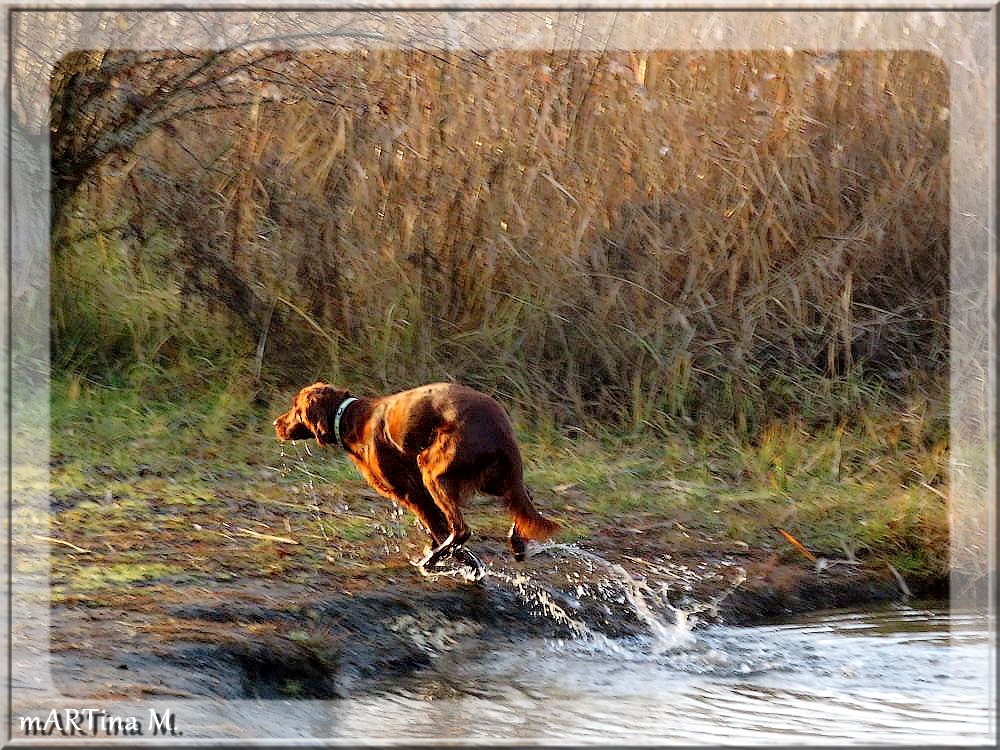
903,675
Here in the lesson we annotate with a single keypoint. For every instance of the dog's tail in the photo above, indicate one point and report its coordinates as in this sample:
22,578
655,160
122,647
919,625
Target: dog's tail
528,522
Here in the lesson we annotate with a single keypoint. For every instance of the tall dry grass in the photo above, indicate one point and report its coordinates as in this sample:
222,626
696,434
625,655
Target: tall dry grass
640,237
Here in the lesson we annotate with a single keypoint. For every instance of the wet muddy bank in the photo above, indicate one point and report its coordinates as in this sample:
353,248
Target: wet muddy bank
268,639
278,642
775,591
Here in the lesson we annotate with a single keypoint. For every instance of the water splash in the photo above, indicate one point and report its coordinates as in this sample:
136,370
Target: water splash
391,525
544,603
389,521
667,636
671,627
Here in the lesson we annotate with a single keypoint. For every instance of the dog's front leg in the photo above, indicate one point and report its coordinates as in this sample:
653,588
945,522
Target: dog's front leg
421,504
474,571
436,553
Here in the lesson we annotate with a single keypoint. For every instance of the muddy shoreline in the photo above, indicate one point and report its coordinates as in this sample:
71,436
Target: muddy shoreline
268,639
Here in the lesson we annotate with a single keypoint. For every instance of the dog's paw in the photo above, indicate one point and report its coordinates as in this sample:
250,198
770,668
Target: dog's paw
461,564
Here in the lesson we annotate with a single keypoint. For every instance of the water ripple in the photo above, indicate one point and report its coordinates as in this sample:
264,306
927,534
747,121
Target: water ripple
879,677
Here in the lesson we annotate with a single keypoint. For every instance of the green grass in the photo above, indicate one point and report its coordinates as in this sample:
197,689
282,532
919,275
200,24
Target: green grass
839,492
89,578
162,489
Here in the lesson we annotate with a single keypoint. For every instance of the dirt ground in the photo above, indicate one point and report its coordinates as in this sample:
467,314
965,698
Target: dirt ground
256,608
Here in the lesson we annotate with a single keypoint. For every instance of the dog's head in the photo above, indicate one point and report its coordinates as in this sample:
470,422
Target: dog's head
311,416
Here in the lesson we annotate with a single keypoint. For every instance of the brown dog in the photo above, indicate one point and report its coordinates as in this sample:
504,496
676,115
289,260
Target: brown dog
429,449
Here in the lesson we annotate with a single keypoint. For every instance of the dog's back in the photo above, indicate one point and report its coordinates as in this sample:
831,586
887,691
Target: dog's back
414,419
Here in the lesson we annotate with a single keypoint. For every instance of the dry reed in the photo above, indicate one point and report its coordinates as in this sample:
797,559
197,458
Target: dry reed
640,237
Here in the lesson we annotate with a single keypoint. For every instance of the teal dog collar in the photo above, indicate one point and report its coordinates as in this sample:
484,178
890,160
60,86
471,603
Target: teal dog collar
340,413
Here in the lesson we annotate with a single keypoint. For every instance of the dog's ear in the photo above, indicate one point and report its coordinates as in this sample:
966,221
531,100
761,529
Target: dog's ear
317,415
320,410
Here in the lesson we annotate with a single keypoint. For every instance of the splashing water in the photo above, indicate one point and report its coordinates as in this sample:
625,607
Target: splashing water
391,526
543,602
671,627
389,521
666,636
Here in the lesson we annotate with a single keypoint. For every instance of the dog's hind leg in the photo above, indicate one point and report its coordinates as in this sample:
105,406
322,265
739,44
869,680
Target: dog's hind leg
528,522
517,544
